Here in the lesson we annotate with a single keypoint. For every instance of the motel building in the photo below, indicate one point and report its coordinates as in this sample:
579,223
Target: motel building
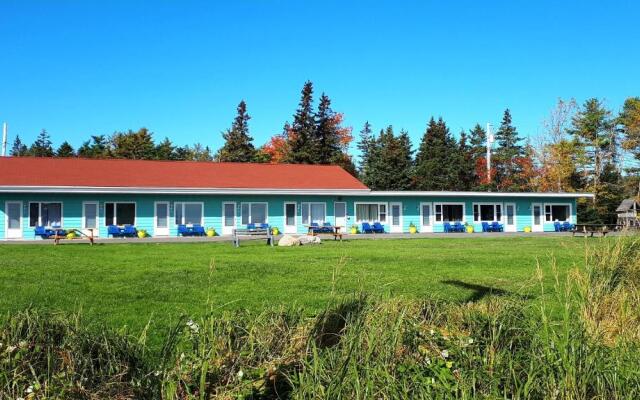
158,196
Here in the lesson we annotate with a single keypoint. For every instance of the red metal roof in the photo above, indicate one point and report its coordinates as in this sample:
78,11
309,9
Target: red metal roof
79,172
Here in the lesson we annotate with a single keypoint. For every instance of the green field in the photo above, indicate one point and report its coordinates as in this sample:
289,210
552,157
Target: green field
132,284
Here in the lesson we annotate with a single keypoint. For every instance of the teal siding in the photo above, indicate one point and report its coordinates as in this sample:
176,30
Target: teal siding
72,209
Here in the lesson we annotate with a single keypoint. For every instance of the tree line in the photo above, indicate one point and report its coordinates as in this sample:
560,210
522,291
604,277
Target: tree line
583,148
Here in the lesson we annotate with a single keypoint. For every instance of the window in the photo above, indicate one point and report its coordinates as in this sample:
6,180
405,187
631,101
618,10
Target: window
254,213
426,214
449,212
90,215
45,214
188,213
371,212
119,214
557,212
313,212
487,212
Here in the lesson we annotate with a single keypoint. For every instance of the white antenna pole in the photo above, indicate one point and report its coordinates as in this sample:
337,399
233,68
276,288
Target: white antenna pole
4,139
490,140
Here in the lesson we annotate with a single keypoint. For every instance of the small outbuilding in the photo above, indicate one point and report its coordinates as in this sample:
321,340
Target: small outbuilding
629,213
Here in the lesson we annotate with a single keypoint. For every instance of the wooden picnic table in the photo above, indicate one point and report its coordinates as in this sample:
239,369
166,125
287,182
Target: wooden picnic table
60,234
594,229
252,232
335,231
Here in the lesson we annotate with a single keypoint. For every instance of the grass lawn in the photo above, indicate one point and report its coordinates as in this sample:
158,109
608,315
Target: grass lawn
130,284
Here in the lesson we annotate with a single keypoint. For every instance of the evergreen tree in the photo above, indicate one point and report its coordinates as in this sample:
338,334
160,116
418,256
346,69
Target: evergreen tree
507,155
42,146
165,150
96,147
467,166
19,149
65,150
593,130
364,145
133,145
478,141
301,134
326,139
437,161
389,164
238,146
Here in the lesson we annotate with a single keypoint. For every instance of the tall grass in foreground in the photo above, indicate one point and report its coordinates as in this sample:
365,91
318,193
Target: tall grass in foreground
497,347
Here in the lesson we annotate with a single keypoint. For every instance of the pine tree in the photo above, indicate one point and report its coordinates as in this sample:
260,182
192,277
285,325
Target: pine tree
65,150
42,146
97,147
19,149
133,145
478,141
326,139
507,137
301,134
165,150
364,145
389,164
507,155
467,166
238,146
437,161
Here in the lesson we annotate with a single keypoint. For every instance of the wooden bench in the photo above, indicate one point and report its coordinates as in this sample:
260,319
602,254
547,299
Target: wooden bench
58,236
594,229
335,232
265,232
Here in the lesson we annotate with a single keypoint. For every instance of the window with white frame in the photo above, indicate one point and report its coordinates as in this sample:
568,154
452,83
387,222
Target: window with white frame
557,212
253,213
449,212
313,212
487,212
45,214
188,213
371,212
119,213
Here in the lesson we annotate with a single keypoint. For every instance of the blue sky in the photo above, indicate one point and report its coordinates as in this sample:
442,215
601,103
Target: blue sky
180,68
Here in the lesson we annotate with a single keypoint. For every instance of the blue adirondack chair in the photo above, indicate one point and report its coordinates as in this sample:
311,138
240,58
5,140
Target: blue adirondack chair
129,231
366,228
557,227
567,226
198,230
458,227
378,227
42,232
497,227
327,227
114,231
447,227
486,227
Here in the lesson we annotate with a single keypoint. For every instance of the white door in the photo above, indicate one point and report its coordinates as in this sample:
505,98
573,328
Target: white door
90,218
536,223
161,223
396,217
426,217
510,217
13,219
228,218
340,211
290,218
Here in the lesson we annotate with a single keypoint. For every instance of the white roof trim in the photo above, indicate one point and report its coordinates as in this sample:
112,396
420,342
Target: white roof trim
477,194
319,192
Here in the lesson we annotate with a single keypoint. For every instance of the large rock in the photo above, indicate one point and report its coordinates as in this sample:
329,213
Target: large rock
288,240
304,240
